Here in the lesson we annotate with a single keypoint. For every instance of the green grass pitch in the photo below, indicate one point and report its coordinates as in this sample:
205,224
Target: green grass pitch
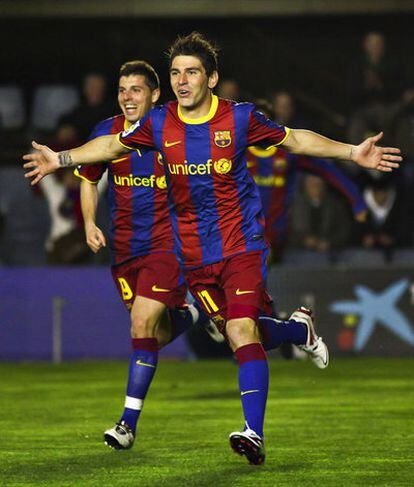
350,425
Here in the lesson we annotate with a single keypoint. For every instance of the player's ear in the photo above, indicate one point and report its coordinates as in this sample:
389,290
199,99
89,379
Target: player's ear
213,80
155,95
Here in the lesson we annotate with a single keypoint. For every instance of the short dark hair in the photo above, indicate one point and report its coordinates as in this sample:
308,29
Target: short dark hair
141,68
195,44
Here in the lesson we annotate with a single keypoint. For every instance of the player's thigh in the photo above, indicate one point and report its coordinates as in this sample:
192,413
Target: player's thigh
161,279
243,280
125,277
208,295
146,315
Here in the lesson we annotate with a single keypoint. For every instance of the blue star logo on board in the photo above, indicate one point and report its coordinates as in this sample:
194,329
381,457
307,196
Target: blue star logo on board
377,308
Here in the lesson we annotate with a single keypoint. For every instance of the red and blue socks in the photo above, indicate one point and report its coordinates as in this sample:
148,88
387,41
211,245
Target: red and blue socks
253,384
142,368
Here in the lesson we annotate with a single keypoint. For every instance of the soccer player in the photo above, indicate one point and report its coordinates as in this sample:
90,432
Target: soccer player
215,206
144,266
275,172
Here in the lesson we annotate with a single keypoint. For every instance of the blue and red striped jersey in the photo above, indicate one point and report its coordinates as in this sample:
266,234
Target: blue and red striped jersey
214,203
137,195
275,172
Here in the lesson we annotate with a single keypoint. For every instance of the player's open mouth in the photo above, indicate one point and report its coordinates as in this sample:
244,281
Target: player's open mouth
130,108
183,93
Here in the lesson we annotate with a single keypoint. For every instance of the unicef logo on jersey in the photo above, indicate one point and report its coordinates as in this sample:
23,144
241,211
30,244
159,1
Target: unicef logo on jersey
222,166
140,181
161,182
128,131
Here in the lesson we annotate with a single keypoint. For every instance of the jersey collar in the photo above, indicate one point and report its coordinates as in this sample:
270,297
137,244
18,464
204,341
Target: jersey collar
206,118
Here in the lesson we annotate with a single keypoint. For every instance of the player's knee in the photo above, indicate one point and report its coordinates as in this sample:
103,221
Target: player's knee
142,326
241,332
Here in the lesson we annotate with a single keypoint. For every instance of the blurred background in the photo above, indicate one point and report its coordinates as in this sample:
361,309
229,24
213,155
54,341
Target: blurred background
341,68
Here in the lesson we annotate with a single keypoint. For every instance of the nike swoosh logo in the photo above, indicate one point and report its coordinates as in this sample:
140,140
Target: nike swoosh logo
139,362
239,293
159,289
249,392
171,144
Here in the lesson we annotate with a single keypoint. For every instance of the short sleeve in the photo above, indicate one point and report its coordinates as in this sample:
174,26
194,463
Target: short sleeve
264,132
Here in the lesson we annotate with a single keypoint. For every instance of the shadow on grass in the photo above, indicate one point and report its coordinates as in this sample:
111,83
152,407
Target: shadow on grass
234,473
64,467
129,468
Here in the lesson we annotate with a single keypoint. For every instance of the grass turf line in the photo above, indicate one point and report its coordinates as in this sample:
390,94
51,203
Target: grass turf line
350,425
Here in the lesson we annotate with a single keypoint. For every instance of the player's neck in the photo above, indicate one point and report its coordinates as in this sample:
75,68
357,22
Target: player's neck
199,111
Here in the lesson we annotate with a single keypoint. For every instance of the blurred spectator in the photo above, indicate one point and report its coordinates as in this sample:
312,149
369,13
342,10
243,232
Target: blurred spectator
386,224
284,110
375,81
376,76
25,220
66,241
319,221
95,106
229,89
404,125
66,137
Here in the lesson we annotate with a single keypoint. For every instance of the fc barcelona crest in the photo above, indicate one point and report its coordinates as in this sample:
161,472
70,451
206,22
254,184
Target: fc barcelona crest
222,138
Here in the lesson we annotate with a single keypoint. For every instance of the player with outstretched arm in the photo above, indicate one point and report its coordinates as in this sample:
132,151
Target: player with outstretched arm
144,267
215,206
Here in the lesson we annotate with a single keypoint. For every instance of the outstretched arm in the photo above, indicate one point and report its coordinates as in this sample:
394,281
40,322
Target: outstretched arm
45,161
367,154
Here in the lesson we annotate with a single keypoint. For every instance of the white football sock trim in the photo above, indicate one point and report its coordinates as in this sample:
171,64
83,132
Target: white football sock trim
133,403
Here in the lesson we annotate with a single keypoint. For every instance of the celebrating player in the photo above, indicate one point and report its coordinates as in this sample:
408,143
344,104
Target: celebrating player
144,268
215,206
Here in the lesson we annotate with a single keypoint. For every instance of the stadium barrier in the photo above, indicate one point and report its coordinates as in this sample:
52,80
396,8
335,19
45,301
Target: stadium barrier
359,310
60,314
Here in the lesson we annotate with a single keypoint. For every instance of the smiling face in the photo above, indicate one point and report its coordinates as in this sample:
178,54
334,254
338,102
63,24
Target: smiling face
135,97
191,85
